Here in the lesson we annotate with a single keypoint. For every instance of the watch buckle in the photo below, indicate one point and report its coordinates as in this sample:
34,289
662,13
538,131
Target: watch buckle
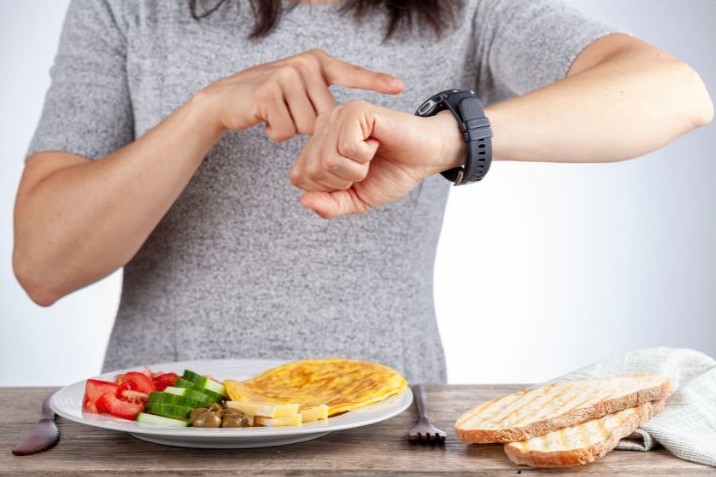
458,178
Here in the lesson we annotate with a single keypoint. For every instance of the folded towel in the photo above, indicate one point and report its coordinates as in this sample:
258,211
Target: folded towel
687,425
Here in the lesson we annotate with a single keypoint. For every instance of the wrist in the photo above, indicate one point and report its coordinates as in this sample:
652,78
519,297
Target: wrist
493,115
452,144
205,109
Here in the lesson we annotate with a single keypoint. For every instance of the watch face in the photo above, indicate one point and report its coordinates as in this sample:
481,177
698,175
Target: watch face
431,105
428,107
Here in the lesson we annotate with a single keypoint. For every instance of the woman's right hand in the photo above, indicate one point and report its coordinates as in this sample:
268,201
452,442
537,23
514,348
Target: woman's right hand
289,94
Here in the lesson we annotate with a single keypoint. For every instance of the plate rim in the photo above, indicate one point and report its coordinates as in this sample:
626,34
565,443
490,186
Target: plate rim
403,402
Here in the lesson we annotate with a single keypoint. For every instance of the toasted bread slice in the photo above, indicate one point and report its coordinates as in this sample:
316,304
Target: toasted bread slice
537,411
581,443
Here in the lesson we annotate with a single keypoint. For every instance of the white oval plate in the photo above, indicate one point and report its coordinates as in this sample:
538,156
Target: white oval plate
67,402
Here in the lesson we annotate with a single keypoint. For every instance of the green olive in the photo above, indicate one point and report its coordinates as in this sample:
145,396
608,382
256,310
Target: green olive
234,418
207,419
197,413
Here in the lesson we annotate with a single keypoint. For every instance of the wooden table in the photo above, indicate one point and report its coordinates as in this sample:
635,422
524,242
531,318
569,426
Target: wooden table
380,449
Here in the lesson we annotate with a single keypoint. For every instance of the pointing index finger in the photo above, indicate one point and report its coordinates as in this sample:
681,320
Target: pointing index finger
353,76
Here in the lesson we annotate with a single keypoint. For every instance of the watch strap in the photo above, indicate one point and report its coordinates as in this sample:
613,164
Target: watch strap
475,128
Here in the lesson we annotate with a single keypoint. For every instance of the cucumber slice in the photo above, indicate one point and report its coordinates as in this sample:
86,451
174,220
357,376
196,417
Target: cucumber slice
210,385
183,383
168,398
193,394
214,396
191,376
204,382
172,411
153,420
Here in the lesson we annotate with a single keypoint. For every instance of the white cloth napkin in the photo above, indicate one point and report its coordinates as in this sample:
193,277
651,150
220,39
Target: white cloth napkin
687,425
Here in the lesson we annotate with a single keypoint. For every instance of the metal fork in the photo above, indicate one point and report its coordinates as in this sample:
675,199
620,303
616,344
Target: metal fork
424,431
43,436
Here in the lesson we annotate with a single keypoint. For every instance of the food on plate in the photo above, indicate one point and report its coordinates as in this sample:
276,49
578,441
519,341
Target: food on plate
206,416
581,443
173,411
341,384
94,390
233,418
543,409
288,395
317,413
265,409
201,399
167,397
218,416
294,420
151,419
126,396
118,407
205,384
164,380
277,414
189,396
136,382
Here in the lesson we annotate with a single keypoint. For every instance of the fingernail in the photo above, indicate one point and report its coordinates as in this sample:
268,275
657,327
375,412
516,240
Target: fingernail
395,83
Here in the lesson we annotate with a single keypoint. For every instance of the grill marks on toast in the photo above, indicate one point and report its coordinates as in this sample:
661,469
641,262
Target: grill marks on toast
495,411
529,403
539,410
582,443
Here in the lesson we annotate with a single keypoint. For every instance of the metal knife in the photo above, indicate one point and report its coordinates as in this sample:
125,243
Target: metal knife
43,436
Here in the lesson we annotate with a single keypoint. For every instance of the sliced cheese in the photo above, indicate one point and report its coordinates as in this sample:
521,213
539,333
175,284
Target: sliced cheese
294,420
316,413
264,409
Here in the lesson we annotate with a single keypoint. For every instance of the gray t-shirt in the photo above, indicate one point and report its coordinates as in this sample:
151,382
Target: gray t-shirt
236,268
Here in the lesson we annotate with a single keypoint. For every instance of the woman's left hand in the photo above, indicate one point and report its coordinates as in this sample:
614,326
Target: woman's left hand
362,156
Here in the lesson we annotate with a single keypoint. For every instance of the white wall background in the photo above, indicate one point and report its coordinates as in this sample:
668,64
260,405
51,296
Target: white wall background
577,262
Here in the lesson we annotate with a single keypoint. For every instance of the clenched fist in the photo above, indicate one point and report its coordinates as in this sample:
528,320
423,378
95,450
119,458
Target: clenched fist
362,156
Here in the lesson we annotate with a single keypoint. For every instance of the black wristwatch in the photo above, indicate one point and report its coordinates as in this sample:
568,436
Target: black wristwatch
474,126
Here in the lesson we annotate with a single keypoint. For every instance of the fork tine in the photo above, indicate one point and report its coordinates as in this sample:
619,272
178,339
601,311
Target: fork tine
424,432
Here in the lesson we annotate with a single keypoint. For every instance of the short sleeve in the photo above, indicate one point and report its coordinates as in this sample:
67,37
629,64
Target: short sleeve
87,109
524,45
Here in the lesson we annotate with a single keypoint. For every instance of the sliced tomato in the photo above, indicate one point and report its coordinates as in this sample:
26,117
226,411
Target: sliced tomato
126,392
136,381
163,380
118,408
94,390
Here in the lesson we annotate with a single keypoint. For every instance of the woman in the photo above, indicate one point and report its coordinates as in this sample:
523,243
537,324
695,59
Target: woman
147,157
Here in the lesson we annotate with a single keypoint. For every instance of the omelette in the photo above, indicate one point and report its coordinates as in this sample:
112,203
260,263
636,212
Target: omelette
341,384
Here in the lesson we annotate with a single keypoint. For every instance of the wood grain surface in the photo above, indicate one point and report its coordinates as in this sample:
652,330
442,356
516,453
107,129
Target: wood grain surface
379,449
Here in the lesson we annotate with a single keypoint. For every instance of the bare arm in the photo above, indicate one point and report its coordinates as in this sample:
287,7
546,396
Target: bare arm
78,220
621,99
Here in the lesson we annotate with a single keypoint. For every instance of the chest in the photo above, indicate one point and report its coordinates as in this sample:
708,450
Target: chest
172,56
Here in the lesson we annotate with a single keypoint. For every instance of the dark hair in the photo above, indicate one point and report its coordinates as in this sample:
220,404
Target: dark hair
435,14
